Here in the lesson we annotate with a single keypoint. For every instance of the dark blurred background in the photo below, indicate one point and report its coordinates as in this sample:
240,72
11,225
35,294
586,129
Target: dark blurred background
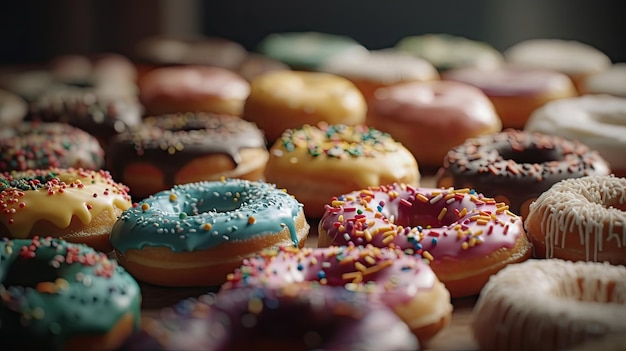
33,31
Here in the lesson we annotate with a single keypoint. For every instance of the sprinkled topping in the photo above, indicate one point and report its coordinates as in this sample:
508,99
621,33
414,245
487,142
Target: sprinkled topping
433,223
338,141
206,214
365,269
35,145
518,165
69,192
70,282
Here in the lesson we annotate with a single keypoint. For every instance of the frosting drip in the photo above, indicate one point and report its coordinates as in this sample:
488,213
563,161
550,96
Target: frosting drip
57,195
203,215
584,205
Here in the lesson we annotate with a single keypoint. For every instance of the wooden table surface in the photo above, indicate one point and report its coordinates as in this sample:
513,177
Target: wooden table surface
455,337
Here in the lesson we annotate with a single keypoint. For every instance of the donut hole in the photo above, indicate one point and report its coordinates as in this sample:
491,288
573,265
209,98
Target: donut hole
606,117
28,273
530,155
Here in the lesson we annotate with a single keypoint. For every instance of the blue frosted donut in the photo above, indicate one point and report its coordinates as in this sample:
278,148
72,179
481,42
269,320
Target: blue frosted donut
195,234
56,295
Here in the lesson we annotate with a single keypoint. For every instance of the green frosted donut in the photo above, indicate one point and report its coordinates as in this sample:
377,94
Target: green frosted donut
307,50
52,291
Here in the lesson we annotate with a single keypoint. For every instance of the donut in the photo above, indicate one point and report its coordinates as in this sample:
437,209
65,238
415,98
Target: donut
515,92
515,167
214,51
430,118
307,50
104,73
314,163
466,236
575,59
76,205
595,120
101,115
56,295
580,301
281,100
26,81
401,282
37,145
205,229
159,50
580,219
256,64
611,81
12,109
192,88
328,318
184,148
447,51
380,68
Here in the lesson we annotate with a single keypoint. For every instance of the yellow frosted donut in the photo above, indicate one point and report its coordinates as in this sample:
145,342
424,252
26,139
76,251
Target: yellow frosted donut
280,100
76,205
315,163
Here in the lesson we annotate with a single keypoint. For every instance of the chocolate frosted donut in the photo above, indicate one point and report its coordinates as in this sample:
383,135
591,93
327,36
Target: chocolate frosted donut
184,148
516,167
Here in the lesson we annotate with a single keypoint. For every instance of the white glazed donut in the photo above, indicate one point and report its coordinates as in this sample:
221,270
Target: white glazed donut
573,58
599,121
550,305
611,81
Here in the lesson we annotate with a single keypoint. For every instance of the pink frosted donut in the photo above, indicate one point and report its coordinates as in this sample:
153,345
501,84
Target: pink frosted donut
402,282
550,305
430,118
467,236
175,89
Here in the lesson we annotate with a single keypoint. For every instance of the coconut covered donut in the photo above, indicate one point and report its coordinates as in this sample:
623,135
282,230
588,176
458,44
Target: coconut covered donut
550,305
403,283
327,318
515,166
55,295
581,219
314,163
195,234
76,205
466,236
